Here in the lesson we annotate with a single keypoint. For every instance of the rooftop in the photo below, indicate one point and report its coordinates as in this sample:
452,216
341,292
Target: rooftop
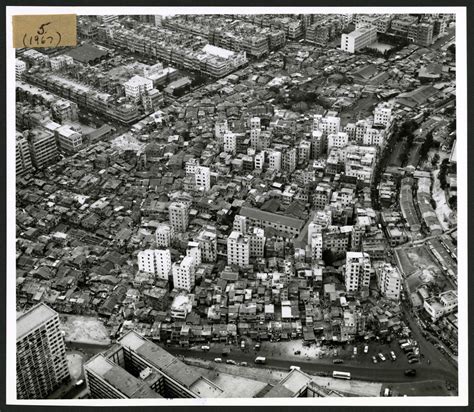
32,319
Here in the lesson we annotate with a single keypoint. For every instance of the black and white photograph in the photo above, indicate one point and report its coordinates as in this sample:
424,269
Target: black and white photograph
247,206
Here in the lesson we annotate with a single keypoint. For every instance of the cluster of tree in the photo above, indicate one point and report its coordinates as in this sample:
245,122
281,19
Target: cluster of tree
452,48
393,39
443,171
379,53
427,145
453,202
406,133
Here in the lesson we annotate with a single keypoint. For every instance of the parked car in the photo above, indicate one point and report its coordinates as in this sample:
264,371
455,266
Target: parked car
298,352
204,347
242,344
243,364
337,361
374,359
231,362
355,350
381,357
413,360
393,356
293,368
257,346
410,372
366,349
218,360
322,374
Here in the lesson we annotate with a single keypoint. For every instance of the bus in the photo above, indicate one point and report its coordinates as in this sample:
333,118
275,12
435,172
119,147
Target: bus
341,375
260,359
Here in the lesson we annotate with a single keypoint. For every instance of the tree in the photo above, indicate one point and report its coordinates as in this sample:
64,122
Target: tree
435,159
452,48
453,201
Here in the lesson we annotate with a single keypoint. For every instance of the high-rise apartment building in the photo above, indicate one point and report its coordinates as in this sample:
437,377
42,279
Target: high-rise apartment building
238,249
179,216
41,365
184,273
164,235
389,280
43,147
274,160
202,178
157,261
357,271
383,114
207,238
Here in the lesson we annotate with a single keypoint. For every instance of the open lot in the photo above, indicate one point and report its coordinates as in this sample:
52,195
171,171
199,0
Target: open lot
83,329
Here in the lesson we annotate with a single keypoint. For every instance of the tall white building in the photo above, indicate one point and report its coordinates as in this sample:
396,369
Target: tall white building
221,127
240,224
137,87
41,364
389,280
339,139
357,271
230,142
259,160
358,39
328,124
157,261
179,216
255,131
20,68
383,114
257,242
202,178
194,250
164,235
238,249
317,245
208,241
274,160
43,147
184,274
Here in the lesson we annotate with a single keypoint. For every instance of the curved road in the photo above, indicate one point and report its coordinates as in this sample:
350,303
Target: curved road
377,373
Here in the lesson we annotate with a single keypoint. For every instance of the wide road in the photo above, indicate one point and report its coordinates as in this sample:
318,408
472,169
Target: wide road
376,373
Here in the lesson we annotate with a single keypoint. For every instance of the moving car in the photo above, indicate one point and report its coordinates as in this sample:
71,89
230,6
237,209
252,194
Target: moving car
260,360
393,356
231,362
243,364
218,360
204,347
80,382
336,361
413,360
374,359
297,368
366,349
410,372
242,344
257,346
381,357
355,350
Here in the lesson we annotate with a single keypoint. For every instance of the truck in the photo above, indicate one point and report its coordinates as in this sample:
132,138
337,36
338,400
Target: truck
260,360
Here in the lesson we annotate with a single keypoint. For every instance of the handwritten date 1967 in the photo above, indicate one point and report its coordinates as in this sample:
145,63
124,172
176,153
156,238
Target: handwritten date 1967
43,37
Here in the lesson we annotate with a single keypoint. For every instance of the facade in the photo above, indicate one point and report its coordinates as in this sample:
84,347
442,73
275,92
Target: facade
389,280
184,274
41,354
164,235
43,147
20,68
358,39
383,114
439,306
202,177
69,139
274,160
157,261
23,158
238,249
357,271
208,240
179,216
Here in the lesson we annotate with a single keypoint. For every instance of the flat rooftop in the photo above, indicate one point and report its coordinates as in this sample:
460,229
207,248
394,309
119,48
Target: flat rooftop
271,217
32,319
